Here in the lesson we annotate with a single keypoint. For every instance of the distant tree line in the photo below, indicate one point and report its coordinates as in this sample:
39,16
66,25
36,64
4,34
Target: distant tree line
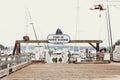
117,42
2,46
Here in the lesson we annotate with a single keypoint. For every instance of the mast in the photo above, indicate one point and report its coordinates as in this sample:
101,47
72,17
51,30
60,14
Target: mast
77,22
100,7
26,22
109,25
107,30
32,24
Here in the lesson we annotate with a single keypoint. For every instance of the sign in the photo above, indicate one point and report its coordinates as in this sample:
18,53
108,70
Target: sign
107,56
78,59
58,39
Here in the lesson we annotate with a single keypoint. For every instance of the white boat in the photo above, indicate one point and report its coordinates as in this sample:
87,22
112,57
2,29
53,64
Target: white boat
116,53
56,54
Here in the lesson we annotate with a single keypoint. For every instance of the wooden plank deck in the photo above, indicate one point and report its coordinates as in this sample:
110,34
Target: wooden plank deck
67,72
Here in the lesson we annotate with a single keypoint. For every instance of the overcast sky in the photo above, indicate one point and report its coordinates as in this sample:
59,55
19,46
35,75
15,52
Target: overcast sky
48,15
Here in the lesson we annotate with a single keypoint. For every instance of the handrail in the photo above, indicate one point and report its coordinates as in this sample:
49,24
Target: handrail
7,61
10,63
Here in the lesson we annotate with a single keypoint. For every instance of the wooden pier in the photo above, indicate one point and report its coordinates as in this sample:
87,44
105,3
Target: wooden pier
67,72
10,63
20,67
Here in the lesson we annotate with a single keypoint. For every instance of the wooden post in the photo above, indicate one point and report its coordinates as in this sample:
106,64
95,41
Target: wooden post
16,48
97,47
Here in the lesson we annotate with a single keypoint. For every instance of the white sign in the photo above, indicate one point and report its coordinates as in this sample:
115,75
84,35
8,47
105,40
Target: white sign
107,56
79,59
58,39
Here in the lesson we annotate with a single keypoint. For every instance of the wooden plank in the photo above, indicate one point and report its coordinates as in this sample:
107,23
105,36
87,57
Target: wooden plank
68,72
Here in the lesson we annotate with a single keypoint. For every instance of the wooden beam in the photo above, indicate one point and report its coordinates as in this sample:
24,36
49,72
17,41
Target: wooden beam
93,46
33,41
85,41
71,41
16,49
97,47
18,42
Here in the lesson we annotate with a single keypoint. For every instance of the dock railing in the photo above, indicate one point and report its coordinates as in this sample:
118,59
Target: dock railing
10,63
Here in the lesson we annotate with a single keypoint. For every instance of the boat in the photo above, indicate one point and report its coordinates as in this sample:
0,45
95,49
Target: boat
116,54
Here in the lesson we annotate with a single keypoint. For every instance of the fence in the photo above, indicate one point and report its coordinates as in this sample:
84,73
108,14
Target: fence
10,63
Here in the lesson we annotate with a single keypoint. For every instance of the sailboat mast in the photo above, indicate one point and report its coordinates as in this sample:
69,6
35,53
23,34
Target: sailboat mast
109,25
26,23
77,21
108,30
32,25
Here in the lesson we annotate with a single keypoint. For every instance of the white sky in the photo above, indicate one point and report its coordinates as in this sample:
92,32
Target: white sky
48,15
